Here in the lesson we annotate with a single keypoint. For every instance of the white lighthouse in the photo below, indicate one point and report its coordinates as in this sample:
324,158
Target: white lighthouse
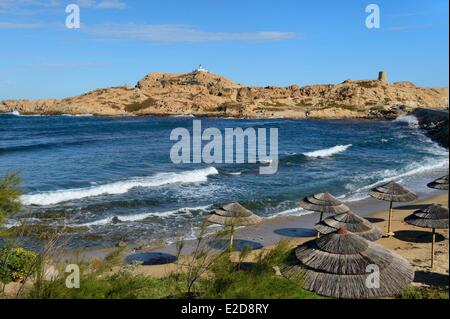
200,69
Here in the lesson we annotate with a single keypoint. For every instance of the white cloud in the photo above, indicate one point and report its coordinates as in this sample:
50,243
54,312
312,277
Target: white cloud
102,4
30,7
171,33
13,25
111,4
27,6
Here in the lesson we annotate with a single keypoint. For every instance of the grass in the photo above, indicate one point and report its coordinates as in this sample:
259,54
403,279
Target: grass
38,231
423,293
122,285
265,284
137,106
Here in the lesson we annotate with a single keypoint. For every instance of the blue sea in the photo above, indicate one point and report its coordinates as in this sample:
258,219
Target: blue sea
114,177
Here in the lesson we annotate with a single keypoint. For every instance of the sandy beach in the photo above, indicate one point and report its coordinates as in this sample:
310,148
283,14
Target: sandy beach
411,242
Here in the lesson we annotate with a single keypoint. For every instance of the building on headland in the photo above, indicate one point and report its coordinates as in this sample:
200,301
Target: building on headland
200,69
382,76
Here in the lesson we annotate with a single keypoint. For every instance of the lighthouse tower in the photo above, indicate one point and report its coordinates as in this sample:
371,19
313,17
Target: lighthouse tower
200,69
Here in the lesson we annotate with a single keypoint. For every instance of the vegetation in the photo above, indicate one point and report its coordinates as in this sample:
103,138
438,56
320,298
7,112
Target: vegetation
230,106
39,231
412,292
202,274
9,195
368,84
16,264
137,106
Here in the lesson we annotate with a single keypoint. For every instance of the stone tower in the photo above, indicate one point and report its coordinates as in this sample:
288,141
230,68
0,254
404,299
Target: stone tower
382,76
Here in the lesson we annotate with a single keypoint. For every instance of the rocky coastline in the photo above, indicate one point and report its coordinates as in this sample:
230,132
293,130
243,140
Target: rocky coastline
207,94
435,123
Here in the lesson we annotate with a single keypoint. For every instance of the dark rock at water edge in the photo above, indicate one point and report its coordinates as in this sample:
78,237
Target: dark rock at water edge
435,123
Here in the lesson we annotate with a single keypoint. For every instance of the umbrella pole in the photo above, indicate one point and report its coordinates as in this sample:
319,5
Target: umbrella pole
231,238
433,239
317,232
389,233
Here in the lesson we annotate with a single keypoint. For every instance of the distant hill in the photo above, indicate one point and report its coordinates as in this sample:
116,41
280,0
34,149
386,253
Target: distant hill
208,94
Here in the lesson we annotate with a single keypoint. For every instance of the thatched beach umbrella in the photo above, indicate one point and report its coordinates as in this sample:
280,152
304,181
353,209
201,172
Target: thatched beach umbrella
233,215
353,223
441,183
392,192
345,265
324,203
433,216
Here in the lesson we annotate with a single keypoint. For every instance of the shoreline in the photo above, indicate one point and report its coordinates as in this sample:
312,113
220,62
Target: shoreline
295,228
405,242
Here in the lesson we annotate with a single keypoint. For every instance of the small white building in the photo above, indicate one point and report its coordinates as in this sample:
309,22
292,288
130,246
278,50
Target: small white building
200,69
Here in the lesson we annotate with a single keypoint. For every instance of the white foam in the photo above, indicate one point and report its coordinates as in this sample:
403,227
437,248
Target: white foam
297,211
139,217
389,175
411,120
121,187
15,113
328,151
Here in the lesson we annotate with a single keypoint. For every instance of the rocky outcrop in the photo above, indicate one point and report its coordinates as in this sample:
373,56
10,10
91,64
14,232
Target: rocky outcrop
208,94
435,123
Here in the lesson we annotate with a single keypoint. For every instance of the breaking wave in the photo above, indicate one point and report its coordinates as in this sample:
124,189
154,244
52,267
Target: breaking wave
328,151
143,216
121,187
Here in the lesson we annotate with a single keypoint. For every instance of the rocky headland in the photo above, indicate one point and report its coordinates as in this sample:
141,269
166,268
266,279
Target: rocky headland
435,123
202,93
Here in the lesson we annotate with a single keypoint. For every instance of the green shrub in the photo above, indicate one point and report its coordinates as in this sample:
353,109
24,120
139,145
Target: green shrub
9,195
137,106
16,264
412,292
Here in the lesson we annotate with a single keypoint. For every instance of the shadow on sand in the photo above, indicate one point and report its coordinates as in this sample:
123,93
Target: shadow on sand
431,278
238,244
151,258
375,220
415,207
295,232
417,236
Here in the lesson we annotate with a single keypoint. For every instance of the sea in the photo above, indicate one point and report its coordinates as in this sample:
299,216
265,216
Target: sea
112,178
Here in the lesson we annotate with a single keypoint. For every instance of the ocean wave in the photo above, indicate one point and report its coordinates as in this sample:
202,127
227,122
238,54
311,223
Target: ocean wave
328,151
15,113
143,216
115,188
411,120
388,175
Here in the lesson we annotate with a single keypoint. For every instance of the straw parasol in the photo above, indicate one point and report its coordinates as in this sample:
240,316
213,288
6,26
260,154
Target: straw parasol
353,223
324,203
392,192
345,265
441,183
433,216
233,215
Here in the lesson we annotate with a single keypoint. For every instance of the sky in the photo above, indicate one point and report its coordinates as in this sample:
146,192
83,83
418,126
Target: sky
253,42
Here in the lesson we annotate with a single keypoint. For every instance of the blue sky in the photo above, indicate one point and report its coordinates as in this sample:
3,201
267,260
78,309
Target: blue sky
255,42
